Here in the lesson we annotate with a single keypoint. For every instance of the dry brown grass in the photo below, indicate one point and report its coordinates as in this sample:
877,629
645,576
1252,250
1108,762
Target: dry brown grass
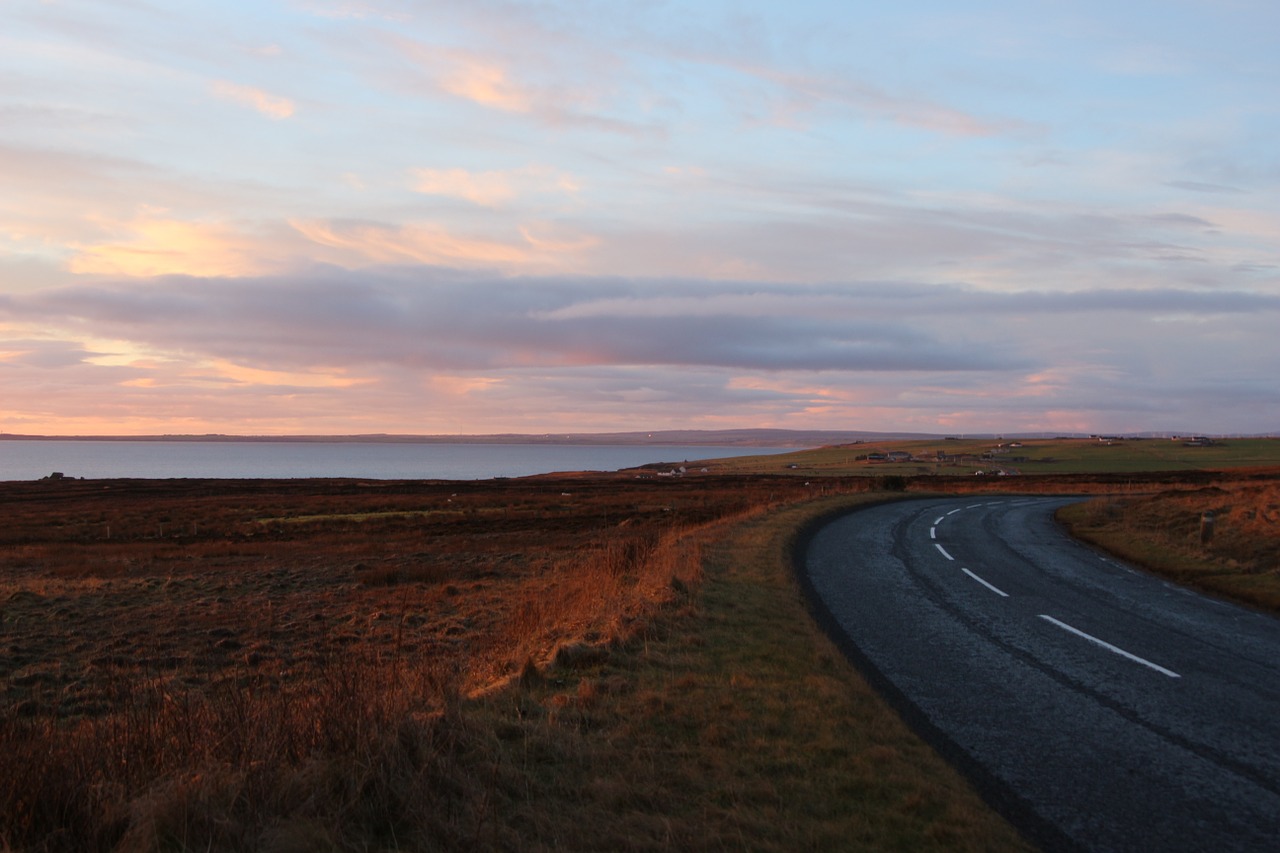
248,665
1163,533
538,664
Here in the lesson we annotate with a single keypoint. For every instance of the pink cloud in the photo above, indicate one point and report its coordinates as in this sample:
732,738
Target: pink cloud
271,106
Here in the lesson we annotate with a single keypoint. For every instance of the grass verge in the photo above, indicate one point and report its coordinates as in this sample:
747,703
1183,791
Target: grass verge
1165,534
675,694
734,724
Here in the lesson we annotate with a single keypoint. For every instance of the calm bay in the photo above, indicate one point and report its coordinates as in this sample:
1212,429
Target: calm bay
31,459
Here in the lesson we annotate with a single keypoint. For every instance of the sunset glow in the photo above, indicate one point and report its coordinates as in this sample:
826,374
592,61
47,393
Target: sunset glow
414,217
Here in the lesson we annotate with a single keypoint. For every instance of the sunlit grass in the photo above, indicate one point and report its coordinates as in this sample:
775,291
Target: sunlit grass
633,669
1165,533
1034,456
609,664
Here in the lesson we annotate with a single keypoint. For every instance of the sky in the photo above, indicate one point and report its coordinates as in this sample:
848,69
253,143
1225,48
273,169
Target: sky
399,216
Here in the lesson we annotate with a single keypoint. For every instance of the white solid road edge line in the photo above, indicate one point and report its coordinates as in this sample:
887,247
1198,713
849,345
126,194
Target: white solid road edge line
1064,626
994,589
944,551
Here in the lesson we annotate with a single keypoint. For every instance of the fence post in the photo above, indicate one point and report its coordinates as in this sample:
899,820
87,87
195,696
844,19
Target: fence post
1206,528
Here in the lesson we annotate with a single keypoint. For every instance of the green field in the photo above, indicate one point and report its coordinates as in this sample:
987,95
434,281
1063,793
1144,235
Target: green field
952,457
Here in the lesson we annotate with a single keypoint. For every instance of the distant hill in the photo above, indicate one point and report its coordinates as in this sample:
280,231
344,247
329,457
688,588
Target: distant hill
686,437
693,437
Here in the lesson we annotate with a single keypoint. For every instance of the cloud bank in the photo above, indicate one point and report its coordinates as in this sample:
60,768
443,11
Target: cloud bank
519,216
429,337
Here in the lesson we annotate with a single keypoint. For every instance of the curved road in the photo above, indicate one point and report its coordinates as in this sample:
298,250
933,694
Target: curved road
1101,708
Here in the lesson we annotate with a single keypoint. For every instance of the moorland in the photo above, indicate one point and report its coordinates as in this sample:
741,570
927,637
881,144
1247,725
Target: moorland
564,662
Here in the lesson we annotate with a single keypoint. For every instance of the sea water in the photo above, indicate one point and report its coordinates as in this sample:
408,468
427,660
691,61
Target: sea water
31,459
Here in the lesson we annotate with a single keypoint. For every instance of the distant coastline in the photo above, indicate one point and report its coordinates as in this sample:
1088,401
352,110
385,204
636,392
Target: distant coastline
722,438
655,438
246,458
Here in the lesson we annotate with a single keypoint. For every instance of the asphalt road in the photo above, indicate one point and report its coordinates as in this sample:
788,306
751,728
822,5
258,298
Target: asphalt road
1099,707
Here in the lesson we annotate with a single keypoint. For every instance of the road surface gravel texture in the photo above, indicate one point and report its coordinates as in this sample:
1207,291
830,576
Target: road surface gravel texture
1100,707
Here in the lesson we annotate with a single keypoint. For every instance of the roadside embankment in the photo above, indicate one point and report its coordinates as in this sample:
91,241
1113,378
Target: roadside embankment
734,723
294,665
1222,538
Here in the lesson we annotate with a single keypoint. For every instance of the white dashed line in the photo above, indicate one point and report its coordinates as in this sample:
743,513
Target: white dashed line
996,590
933,534
1116,649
